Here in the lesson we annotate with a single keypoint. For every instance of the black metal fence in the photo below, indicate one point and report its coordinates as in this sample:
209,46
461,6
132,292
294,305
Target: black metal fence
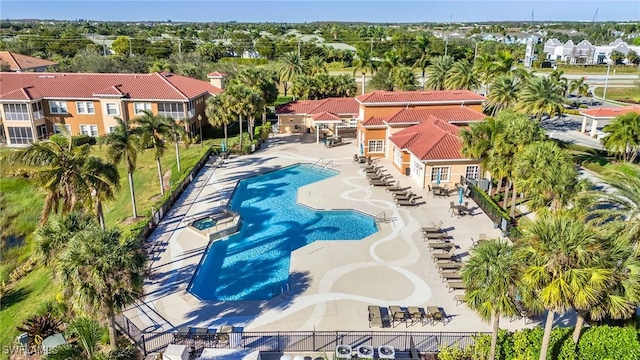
310,341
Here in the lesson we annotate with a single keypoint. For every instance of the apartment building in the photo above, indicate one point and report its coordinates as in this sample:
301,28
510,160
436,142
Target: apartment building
32,103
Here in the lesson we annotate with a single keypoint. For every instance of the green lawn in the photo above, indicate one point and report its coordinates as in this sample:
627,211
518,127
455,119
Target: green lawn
593,69
620,93
20,210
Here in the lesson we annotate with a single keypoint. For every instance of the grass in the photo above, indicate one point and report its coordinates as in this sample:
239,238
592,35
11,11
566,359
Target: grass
620,93
25,300
20,211
593,69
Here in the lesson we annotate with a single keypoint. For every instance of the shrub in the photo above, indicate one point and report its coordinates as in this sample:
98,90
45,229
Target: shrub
337,65
244,61
83,139
571,112
39,327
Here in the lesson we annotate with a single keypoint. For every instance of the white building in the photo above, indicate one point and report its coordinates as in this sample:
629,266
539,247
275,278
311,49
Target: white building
584,52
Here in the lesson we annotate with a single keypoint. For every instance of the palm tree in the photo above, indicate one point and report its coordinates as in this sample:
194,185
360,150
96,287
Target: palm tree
562,256
153,131
255,106
89,333
364,64
478,140
315,65
56,233
462,76
504,93
437,72
422,48
178,133
623,136
67,173
218,114
579,86
547,174
263,80
539,96
404,79
101,273
490,276
290,67
124,145
239,101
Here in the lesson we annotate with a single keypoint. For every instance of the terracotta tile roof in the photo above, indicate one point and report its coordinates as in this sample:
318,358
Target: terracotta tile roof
326,116
607,113
18,62
155,86
341,106
373,121
450,114
216,74
435,96
432,139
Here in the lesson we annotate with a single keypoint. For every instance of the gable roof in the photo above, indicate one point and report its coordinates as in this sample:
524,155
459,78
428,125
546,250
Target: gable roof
433,139
336,105
448,114
154,86
609,113
19,62
408,97
373,121
326,117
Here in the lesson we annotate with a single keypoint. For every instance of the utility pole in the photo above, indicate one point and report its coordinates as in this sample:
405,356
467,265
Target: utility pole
606,81
200,123
104,48
180,48
130,48
475,54
446,45
298,47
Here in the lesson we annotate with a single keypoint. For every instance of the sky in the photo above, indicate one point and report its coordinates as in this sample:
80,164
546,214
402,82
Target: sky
323,10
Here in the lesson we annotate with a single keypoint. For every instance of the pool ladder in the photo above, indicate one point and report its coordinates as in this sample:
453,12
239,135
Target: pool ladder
320,163
283,291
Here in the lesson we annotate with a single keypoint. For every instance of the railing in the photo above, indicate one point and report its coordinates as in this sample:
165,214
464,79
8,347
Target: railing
327,164
309,341
318,162
191,113
38,114
381,217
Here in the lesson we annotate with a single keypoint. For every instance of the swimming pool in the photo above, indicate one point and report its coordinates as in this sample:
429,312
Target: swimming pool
254,263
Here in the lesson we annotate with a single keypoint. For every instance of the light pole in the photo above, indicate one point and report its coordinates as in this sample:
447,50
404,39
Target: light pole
446,45
606,81
201,139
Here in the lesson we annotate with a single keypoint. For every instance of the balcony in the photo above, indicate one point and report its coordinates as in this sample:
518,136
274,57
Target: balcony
191,113
38,114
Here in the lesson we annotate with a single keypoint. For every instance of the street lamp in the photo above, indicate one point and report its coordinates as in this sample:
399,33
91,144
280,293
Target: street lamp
446,45
606,81
200,123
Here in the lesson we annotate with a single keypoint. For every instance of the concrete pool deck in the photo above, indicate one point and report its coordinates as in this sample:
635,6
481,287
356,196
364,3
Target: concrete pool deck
331,282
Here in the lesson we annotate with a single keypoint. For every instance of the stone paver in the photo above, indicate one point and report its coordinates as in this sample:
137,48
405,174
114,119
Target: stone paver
334,280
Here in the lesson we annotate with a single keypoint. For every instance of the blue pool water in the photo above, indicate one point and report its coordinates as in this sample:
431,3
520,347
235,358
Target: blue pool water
203,224
254,263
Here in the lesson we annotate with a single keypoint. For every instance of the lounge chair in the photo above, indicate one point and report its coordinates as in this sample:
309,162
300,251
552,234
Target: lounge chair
397,314
415,315
440,245
442,236
398,189
406,196
375,316
451,275
459,299
455,285
436,313
433,228
448,264
408,202
481,238
445,255
382,182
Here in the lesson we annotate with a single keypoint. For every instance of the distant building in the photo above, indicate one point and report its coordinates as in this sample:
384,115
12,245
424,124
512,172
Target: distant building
584,52
23,63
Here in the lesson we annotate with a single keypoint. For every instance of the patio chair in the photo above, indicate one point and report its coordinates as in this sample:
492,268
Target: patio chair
182,334
433,228
442,236
445,255
397,189
382,182
436,314
397,314
406,196
408,202
356,159
448,264
481,238
440,245
451,275
459,298
455,285
415,315
375,316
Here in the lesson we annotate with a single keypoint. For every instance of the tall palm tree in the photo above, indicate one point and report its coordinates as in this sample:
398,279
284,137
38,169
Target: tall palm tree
364,63
263,80
478,140
178,134
623,136
290,66
101,273
153,131
503,94
490,276
67,173
124,145
547,174
437,72
562,256
219,115
255,106
539,96
579,86
422,48
462,76
239,101
315,65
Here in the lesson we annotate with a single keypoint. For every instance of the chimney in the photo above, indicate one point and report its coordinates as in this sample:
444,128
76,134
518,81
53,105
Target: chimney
216,79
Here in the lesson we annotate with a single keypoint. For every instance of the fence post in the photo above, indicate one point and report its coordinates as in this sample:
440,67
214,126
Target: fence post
128,330
144,345
279,350
314,339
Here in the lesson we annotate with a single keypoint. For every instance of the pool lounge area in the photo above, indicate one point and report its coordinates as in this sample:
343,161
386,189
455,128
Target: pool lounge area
331,282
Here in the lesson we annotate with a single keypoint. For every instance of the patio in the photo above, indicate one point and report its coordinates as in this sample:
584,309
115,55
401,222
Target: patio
331,282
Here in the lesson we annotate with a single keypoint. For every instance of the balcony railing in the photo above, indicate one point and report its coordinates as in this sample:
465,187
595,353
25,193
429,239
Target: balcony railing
191,113
38,114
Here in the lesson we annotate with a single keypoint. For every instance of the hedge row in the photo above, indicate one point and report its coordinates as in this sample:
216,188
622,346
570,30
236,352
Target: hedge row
596,343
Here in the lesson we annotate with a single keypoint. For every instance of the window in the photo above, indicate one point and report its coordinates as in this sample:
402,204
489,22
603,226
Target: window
376,146
85,107
444,174
16,112
397,157
416,168
20,135
323,126
472,172
36,108
112,128
172,110
138,108
112,109
41,130
58,107
91,130
56,129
